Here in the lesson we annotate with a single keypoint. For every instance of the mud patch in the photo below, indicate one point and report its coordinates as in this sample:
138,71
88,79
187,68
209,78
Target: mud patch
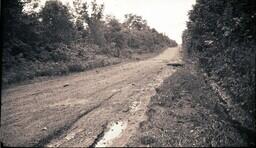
115,130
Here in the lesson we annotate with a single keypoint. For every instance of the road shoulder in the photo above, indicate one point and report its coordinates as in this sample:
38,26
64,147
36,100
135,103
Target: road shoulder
186,111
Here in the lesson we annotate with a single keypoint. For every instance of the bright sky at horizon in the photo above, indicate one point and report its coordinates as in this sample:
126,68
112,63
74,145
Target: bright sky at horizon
166,16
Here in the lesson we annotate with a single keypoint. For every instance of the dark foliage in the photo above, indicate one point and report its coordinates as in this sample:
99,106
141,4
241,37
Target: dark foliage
222,34
56,23
58,40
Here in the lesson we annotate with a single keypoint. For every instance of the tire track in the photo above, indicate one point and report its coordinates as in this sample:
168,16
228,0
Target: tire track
58,132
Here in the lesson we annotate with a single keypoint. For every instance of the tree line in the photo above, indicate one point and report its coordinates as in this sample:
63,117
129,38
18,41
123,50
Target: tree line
222,35
61,37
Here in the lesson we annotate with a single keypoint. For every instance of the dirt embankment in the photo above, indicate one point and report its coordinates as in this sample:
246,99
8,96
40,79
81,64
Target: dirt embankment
186,111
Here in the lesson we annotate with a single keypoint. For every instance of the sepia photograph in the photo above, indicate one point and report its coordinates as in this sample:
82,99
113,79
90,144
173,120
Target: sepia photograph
128,73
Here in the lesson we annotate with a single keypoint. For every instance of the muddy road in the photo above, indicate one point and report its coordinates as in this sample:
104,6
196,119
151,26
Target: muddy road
101,107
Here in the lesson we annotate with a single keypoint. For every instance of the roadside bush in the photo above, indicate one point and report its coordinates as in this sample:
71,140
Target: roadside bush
75,67
54,42
221,34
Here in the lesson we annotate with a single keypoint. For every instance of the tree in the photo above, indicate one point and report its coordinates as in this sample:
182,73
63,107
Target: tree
221,33
135,22
93,20
114,34
18,31
12,19
57,26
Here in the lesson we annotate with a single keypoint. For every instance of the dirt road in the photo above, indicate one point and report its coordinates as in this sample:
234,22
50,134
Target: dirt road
101,107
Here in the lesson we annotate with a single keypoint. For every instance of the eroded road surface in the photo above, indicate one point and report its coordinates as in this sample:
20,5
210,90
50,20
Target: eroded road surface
101,107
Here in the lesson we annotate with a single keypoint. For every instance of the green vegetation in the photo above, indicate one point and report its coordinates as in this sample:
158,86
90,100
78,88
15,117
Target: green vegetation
58,40
221,34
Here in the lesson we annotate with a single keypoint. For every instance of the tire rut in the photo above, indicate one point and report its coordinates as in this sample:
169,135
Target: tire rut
58,132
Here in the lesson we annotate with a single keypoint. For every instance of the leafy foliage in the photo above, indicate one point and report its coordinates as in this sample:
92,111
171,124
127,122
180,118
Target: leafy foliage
93,20
221,34
57,39
56,23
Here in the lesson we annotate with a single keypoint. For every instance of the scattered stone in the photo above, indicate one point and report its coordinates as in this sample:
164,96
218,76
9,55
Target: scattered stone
65,85
175,64
44,129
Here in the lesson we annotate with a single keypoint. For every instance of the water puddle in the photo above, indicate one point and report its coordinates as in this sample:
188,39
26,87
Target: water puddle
114,131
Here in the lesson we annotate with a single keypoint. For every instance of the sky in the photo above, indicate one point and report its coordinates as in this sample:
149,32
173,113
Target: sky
166,16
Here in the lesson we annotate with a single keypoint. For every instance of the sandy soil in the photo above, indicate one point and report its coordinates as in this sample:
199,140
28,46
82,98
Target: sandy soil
77,110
